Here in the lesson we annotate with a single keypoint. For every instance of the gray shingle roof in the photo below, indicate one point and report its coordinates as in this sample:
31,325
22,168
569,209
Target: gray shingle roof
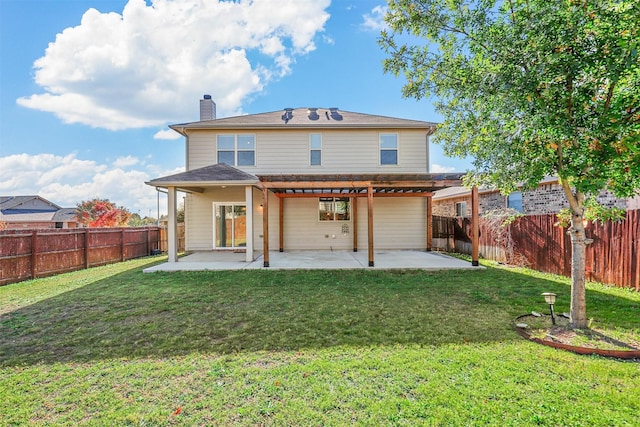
304,118
65,214
220,172
13,202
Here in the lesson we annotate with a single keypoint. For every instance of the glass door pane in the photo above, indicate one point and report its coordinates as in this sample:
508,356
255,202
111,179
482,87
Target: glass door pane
231,226
239,226
224,226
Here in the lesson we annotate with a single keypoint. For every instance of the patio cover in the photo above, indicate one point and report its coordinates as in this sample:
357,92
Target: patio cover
319,185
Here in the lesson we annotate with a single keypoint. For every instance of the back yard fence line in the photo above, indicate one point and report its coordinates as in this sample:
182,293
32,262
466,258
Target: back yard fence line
38,253
613,257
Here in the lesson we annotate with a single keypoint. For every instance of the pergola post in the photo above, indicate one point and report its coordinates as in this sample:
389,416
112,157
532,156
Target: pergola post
172,226
475,227
429,224
370,223
265,226
248,190
354,215
281,223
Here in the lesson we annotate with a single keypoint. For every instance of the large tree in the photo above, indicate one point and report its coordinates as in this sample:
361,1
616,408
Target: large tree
528,89
101,213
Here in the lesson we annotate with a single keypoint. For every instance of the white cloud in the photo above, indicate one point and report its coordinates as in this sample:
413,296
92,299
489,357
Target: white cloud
435,168
123,162
167,134
150,64
67,180
374,20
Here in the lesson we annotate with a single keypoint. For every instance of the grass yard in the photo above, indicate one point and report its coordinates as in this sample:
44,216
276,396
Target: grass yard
113,346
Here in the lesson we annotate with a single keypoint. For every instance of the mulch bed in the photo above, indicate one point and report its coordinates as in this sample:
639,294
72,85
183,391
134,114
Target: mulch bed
538,328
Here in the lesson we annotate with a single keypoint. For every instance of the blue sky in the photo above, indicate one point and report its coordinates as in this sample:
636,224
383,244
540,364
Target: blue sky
88,87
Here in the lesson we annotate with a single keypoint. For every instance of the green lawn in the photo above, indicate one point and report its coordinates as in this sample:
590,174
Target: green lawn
113,346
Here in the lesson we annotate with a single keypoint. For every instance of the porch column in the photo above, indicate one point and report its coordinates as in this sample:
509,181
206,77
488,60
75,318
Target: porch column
265,225
281,222
172,226
475,227
429,224
370,223
248,190
354,215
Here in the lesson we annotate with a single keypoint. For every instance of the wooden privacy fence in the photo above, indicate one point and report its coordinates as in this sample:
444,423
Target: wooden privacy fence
164,239
38,253
613,257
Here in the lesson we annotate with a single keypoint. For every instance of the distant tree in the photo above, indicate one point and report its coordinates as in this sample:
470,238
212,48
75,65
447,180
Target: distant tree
180,214
101,213
529,89
137,221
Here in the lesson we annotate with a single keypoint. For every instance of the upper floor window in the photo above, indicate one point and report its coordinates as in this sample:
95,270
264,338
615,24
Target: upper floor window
334,209
315,149
388,148
514,201
237,150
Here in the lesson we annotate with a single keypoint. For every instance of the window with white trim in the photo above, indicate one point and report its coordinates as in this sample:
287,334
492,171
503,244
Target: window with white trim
388,148
315,149
236,150
334,209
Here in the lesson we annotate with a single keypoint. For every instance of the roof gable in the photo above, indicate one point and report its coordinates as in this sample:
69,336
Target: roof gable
27,203
306,118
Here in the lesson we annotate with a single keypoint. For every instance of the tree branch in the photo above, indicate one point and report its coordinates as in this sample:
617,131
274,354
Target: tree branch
607,102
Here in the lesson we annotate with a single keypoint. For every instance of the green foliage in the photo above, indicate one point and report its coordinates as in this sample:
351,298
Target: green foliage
502,217
137,221
593,211
529,89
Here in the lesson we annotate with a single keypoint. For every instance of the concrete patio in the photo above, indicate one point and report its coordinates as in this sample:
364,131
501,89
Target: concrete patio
316,260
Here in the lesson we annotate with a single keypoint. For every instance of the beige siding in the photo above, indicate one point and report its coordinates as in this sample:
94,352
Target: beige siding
398,223
303,229
343,151
199,216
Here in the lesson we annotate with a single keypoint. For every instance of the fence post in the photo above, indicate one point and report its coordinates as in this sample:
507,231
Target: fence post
34,254
86,248
122,258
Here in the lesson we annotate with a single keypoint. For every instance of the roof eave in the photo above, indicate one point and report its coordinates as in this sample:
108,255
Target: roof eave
166,184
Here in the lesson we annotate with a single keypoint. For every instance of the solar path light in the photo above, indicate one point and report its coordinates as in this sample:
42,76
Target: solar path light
550,298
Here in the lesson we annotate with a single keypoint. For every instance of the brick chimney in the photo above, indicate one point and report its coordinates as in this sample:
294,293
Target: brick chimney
207,108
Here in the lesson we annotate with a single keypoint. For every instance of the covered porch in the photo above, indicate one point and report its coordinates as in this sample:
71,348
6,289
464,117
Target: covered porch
350,188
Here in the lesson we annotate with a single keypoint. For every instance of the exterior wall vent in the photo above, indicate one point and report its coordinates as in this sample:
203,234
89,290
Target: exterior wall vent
207,108
313,114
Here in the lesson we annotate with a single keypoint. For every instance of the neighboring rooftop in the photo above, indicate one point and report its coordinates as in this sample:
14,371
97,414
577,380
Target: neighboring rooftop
26,204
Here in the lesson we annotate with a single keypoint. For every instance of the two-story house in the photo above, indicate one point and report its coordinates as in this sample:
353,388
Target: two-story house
304,179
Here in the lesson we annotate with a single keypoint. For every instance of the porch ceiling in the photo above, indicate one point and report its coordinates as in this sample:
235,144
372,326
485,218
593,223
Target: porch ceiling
356,185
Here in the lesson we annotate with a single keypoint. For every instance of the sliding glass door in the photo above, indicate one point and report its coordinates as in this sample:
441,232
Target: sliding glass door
230,225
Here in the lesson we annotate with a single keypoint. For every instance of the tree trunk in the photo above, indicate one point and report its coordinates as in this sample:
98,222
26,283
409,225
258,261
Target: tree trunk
578,313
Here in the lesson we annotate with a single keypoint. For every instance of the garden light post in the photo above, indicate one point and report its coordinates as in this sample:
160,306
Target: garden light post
550,298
